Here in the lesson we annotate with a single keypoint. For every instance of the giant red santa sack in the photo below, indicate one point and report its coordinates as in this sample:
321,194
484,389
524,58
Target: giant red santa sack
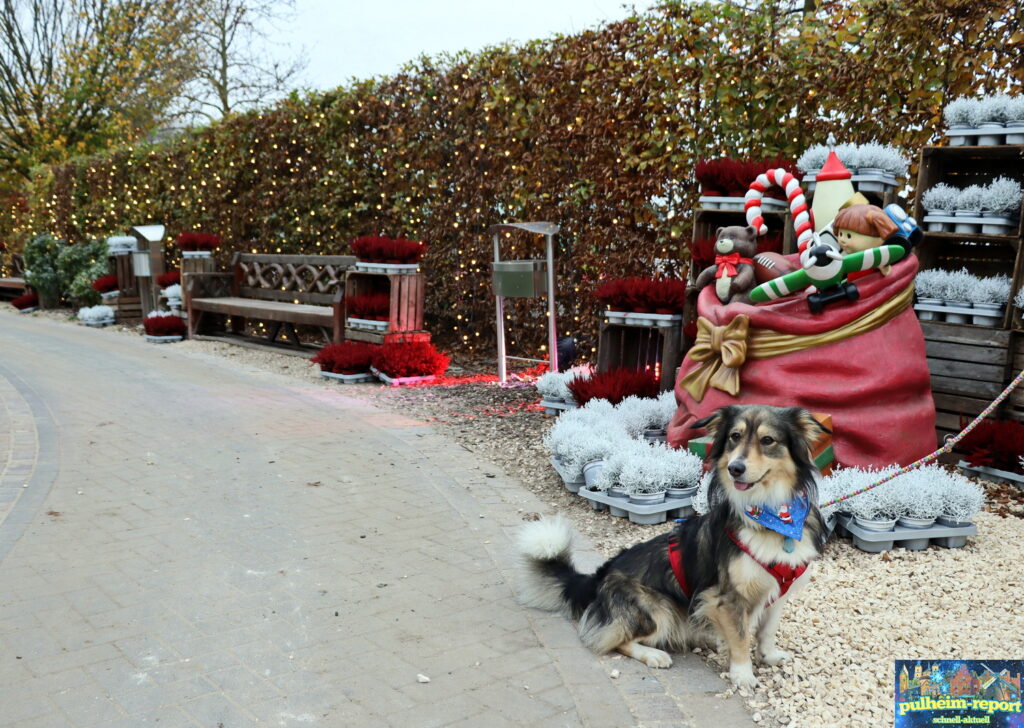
863,362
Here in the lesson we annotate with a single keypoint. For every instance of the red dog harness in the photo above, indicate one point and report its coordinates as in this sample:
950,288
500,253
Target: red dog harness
784,574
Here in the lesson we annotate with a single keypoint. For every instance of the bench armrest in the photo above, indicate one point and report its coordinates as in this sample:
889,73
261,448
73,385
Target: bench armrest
208,285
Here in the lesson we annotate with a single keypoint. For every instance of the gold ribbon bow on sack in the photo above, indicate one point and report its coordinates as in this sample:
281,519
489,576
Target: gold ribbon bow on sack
721,351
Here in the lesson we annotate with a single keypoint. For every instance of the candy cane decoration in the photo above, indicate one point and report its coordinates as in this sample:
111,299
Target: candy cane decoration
803,220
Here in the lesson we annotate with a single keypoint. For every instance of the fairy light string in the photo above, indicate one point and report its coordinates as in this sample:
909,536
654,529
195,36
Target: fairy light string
949,444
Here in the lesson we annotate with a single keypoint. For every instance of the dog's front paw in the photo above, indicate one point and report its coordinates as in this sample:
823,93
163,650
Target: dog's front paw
774,657
742,676
657,658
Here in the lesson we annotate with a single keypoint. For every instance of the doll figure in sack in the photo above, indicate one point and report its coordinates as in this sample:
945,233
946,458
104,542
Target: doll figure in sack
733,271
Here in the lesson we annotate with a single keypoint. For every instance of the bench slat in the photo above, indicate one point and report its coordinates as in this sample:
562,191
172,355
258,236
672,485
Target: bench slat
269,294
346,261
298,313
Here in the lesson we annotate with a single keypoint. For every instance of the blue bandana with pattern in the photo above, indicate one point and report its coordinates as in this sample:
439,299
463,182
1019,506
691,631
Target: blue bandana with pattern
787,519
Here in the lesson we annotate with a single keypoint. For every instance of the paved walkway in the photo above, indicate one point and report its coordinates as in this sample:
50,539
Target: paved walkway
187,543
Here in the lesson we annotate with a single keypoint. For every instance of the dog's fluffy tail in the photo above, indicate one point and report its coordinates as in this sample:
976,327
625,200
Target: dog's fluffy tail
550,581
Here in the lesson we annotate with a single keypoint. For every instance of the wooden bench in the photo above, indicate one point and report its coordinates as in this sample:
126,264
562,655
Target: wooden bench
284,291
14,286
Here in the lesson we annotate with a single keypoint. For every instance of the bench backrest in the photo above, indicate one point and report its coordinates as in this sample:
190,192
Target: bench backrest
303,278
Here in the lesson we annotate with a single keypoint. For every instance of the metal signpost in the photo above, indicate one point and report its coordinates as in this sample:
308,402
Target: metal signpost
525,279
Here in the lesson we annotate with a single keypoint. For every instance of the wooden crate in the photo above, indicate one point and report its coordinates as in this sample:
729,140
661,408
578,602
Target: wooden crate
641,348
128,303
407,293
968,366
982,255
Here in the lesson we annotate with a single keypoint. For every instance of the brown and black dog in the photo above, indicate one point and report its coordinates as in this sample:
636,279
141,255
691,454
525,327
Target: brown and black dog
731,575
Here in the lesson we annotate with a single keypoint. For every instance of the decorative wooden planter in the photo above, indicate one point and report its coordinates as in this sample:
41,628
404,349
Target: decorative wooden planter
405,311
641,348
126,302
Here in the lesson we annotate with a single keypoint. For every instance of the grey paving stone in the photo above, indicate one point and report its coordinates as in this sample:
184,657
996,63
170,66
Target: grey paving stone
195,580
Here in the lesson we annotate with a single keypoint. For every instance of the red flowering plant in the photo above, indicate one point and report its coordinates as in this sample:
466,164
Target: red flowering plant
28,300
413,359
702,253
105,284
614,385
164,325
667,295
170,278
643,295
382,249
198,241
994,444
732,177
348,357
372,306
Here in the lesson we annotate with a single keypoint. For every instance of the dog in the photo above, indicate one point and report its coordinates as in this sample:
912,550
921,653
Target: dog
726,574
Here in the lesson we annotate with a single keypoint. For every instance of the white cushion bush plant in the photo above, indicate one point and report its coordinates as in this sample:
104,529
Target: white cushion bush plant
925,492
554,385
1003,196
870,155
940,197
960,111
970,198
95,313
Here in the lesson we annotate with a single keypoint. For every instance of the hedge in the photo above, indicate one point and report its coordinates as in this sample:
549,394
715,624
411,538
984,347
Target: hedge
597,131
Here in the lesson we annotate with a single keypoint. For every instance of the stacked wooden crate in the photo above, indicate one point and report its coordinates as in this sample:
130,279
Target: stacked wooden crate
971,364
406,294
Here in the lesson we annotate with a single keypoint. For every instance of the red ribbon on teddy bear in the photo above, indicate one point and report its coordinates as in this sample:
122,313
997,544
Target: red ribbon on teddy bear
727,264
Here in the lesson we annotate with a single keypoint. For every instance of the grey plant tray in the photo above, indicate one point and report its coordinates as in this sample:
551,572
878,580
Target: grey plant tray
962,137
555,407
914,539
399,381
646,320
388,268
644,515
999,476
982,225
28,310
367,324
964,310
162,339
99,324
348,378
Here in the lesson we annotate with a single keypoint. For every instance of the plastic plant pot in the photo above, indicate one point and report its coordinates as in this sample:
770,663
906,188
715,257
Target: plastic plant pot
656,435
572,485
992,314
647,499
591,471
994,136
910,522
876,524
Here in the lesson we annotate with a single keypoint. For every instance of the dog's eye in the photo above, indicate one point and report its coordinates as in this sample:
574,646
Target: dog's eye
735,437
766,441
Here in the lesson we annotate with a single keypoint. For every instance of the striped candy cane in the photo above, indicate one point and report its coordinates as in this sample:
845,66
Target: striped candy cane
803,221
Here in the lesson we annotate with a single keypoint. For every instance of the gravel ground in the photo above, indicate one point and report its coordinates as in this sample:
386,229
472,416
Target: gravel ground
859,613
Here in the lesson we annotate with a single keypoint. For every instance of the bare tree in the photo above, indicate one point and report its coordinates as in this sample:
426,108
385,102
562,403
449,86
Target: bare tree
77,74
232,70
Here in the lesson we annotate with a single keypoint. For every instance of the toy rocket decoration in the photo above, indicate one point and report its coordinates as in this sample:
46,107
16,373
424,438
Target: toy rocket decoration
827,271
833,188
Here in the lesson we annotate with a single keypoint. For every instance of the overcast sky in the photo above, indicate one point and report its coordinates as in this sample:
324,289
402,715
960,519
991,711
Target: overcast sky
363,38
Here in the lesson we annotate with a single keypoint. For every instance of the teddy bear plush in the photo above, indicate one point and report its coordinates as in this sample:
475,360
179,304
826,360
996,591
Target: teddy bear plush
733,271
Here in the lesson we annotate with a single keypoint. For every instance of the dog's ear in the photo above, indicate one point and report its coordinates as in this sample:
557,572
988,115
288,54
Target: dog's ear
718,424
717,420
808,428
